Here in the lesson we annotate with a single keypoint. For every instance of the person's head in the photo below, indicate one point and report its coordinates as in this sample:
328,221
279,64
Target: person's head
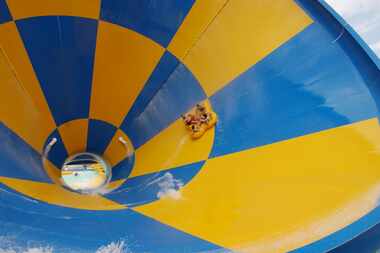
194,128
200,108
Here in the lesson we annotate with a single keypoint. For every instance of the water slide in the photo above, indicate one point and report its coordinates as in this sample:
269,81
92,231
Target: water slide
292,164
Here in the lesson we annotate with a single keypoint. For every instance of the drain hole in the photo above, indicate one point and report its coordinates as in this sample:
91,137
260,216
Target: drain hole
86,173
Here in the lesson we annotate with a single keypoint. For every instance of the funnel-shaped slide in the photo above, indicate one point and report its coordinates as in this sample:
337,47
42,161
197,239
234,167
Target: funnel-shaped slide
293,163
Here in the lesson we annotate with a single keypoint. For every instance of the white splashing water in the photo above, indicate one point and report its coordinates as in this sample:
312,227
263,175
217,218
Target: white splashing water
39,250
114,247
169,187
29,250
9,245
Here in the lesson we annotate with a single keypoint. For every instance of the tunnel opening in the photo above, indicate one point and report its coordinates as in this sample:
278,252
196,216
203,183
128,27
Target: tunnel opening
87,168
86,173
